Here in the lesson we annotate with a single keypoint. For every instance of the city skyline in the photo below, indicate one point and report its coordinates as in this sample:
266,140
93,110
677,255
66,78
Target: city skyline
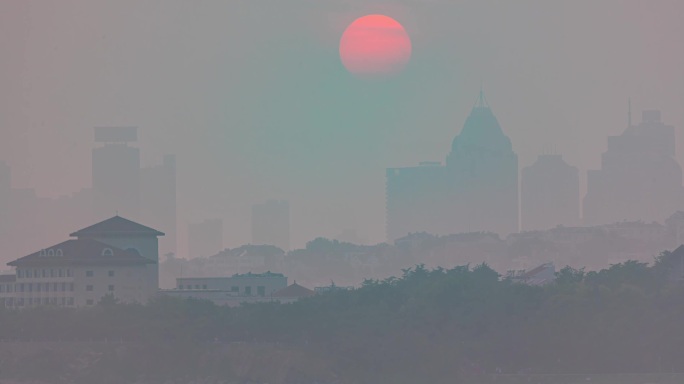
200,90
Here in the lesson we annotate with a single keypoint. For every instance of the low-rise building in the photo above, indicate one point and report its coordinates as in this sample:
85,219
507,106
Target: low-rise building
116,257
239,288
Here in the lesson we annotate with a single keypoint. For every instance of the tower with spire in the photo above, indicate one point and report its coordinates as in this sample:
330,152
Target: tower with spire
477,189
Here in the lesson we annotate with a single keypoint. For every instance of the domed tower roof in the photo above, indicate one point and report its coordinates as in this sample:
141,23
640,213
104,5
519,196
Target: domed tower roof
481,133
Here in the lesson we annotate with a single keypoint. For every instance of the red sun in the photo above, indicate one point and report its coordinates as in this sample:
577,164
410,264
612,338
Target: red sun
375,45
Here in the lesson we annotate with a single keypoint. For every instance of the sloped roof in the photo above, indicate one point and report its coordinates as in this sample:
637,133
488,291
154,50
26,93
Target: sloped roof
80,251
117,225
294,290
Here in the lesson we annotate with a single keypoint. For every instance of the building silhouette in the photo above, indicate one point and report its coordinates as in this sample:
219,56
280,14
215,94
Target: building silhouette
549,194
639,177
477,189
271,224
158,200
205,238
116,173
5,200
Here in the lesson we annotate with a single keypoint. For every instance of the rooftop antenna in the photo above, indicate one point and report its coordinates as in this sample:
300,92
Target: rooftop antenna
481,100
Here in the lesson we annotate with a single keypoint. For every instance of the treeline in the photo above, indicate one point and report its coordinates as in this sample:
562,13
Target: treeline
427,325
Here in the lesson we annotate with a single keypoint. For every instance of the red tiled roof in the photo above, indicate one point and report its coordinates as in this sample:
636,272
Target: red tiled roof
117,225
294,290
81,251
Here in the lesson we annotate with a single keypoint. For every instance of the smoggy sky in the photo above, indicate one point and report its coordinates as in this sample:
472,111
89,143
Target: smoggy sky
253,99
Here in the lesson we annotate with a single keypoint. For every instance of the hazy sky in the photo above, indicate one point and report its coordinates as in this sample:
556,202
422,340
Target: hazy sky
252,97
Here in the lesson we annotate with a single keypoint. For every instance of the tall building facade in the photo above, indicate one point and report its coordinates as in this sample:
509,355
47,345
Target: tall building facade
477,189
549,194
5,198
639,177
271,224
158,201
116,173
205,238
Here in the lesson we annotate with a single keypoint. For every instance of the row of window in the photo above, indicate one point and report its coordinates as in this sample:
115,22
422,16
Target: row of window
261,290
37,287
45,287
35,301
38,273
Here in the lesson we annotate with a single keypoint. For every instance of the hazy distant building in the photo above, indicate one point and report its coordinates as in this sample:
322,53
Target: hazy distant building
549,194
639,177
205,238
477,189
271,224
5,199
116,173
158,200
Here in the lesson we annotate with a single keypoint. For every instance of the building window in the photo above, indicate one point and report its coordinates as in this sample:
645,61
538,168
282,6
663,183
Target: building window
71,287
248,291
64,287
89,302
52,273
36,274
204,286
55,287
21,287
108,252
110,273
180,286
47,287
45,274
196,286
20,302
20,273
261,291
68,271
61,272
38,287
111,288
30,302
89,273
9,287
28,273
89,287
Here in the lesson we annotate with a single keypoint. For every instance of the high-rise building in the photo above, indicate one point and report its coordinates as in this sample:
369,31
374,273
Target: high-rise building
158,200
639,177
549,194
271,224
477,189
5,196
205,238
116,173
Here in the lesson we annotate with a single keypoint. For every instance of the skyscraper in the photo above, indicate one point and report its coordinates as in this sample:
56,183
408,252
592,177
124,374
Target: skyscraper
271,224
158,200
639,177
116,173
476,191
5,196
549,194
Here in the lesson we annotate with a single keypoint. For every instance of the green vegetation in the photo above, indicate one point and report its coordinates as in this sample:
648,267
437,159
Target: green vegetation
456,325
